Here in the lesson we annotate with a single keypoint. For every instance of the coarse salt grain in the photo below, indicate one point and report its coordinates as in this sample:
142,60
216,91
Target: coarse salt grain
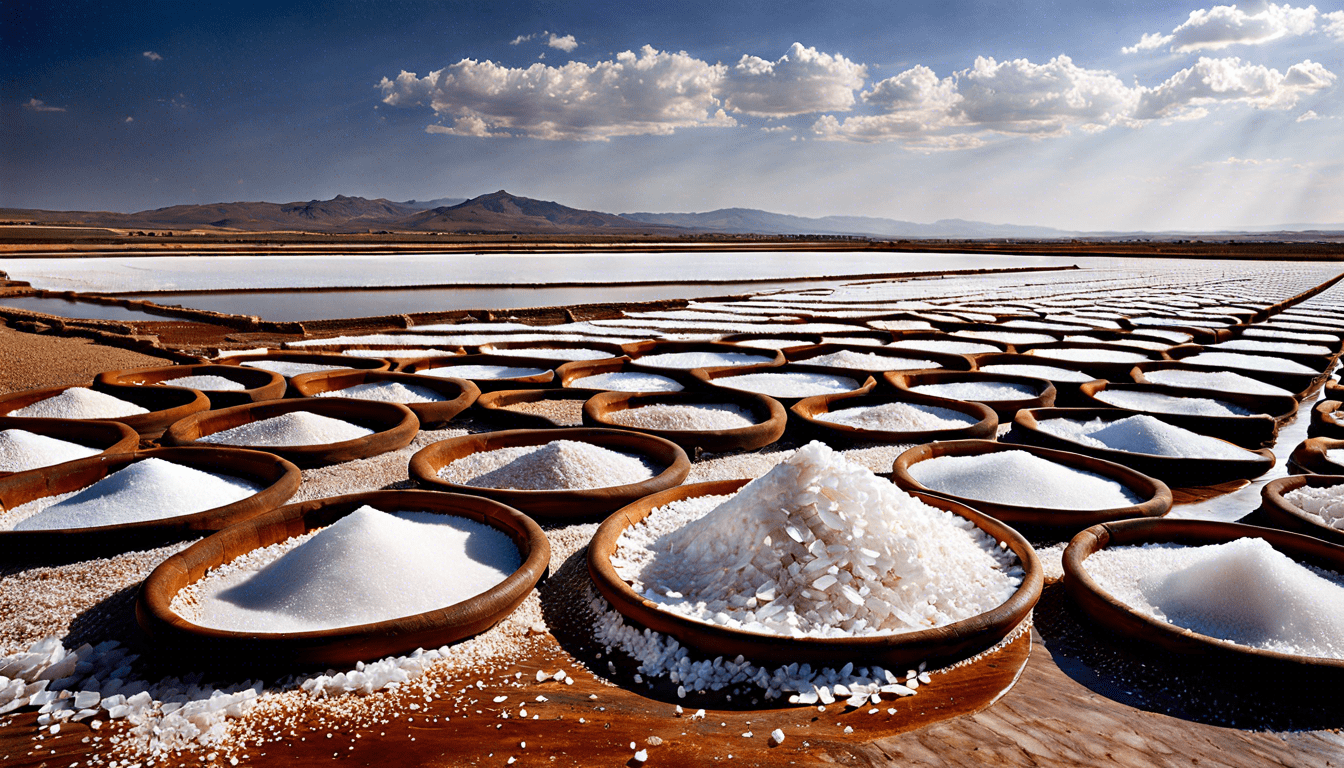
481,372
290,429
792,384
287,368
557,465
1221,381
1157,402
206,383
387,392
688,360
22,450
627,381
79,403
898,417
1088,355
697,417
1324,502
978,391
1022,479
1147,435
869,361
1047,372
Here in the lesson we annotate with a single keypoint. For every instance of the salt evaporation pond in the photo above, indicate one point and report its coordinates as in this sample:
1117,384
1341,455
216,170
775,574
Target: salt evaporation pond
1251,345
868,361
482,372
366,567
796,384
1008,337
978,391
1247,362
944,346
204,383
1021,479
22,450
698,417
1086,355
387,392
78,403
149,489
689,360
1156,402
291,429
898,417
1243,591
557,465
1146,435
901,325
1325,503
287,368
554,353
1047,372
1219,381
823,548
627,381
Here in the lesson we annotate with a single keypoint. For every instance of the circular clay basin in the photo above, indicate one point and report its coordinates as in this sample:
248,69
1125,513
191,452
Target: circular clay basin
769,415
1004,409
1180,472
1333,390
1139,376
1251,432
1129,624
1320,361
344,645
939,645
1156,495
641,349
107,436
1066,392
445,364
1198,334
1300,383
719,378
311,358
166,405
1284,514
495,407
1310,458
1101,368
808,409
457,394
559,504
540,349
570,375
918,336
280,479
745,340
943,360
258,384
395,354
1323,423
394,426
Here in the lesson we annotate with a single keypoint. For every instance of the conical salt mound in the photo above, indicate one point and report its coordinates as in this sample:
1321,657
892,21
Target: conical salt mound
566,464
21,450
150,489
1145,434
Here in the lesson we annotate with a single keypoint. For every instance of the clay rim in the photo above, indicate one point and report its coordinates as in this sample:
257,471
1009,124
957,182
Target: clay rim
1310,456
543,379
495,405
989,627
400,432
1099,603
459,394
1288,516
807,409
316,358
639,349
154,599
577,370
258,384
1046,392
946,361
769,413
707,377
110,437
180,403
1266,405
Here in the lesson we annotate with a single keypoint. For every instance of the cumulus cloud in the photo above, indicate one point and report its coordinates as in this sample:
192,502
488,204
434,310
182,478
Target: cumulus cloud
1333,24
38,105
1221,26
521,39
801,81
1187,93
566,43
152,56
650,92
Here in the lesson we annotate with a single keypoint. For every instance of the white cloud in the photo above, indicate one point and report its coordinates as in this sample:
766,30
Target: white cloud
1221,26
38,105
1021,97
803,80
1334,25
129,119
1310,114
652,92
521,39
1229,80
566,43
152,56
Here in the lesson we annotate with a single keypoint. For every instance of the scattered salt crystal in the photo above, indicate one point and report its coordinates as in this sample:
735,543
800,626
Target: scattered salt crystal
898,417
777,736
1324,502
978,391
793,384
1147,435
627,381
387,392
206,383
557,465
869,361
290,429
79,403
22,450
697,417
1023,479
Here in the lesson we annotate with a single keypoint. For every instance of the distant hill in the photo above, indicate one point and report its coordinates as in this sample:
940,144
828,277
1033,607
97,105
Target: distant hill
749,221
503,213
340,214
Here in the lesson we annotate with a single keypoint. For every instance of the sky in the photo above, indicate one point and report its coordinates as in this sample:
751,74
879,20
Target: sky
1090,116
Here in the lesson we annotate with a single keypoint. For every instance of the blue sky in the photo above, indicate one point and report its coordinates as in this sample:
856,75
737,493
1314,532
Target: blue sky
1094,116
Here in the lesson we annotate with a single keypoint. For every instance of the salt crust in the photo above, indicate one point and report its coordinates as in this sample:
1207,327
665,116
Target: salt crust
627,381
944,345
481,372
1326,503
1021,479
772,343
206,383
794,384
978,391
1047,372
553,353
1156,402
291,429
1252,345
901,325
557,465
341,576
387,392
1087,355
149,489
898,417
697,417
286,368
79,403
868,361
1147,435
1008,337
1243,591
818,547
1335,456
1156,346
1221,381
688,360
22,450
1247,362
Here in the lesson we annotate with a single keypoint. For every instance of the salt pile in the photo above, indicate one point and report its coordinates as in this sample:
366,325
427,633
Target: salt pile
867,361
1247,362
387,392
1021,479
554,353
207,383
1047,372
817,547
945,346
79,403
1221,381
482,372
286,368
1251,345
1326,503
979,391
22,450
627,381
773,343
688,360
795,384
1157,402
1008,337
1243,591
898,417
150,489
697,417
290,429
1146,435
1085,355
368,566
555,466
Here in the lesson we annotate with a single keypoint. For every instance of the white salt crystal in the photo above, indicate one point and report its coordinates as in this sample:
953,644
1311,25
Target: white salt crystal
387,392
1087,355
287,368
368,566
79,403
557,465
554,353
1147,435
1252,345
1008,337
1221,381
290,429
1156,402
627,381
1247,362
945,346
901,325
795,384
1022,479
1047,372
688,360
206,383
22,450
978,391
868,361
697,417
149,489
1324,502
1335,456
481,372
898,417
